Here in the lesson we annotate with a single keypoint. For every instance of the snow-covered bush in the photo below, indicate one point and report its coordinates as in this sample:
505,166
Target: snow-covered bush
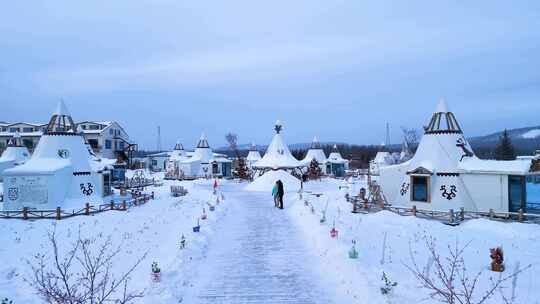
388,285
448,281
82,274
6,301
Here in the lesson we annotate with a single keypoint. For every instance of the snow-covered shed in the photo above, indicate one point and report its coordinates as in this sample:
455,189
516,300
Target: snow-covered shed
253,156
58,174
445,174
315,152
203,162
278,155
336,165
15,154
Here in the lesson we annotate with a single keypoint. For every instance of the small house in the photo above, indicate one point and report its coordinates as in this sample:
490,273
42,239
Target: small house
58,174
444,174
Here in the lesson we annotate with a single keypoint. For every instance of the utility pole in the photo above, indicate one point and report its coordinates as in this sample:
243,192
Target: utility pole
158,139
387,139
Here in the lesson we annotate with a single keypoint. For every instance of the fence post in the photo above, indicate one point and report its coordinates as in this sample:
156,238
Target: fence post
87,209
112,205
520,215
124,207
462,214
414,210
152,194
58,213
451,216
25,213
491,214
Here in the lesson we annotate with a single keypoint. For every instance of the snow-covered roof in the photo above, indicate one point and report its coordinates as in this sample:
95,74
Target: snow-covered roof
16,155
278,154
335,157
518,167
315,152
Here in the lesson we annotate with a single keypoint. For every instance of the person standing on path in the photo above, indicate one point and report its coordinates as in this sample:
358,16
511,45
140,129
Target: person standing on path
280,193
275,194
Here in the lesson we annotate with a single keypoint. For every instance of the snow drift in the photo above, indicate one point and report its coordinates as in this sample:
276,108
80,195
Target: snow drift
266,182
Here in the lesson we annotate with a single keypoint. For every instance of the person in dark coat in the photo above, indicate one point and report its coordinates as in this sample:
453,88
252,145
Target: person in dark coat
280,193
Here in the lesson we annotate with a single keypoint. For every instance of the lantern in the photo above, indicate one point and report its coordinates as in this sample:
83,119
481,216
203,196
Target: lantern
197,228
204,216
334,231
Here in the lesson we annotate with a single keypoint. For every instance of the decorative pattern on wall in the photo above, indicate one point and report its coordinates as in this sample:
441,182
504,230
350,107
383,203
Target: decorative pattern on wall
88,190
404,189
449,195
461,143
13,193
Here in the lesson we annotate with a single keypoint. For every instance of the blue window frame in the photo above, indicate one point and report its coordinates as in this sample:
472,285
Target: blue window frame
108,144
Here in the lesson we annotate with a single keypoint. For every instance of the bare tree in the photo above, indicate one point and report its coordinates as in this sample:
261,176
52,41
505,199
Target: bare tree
448,280
232,139
82,275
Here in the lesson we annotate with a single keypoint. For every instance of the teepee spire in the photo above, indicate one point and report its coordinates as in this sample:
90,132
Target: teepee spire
443,121
61,121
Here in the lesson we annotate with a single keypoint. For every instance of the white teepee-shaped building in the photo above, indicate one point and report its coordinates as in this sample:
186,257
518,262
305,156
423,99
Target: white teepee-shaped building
315,152
204,163
15,154
58,174
445,173
253,156
278,155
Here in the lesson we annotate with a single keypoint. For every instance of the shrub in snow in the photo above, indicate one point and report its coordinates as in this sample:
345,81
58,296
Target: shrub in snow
156,272
353,253
6,301
388,285
182,242
448,281
83,274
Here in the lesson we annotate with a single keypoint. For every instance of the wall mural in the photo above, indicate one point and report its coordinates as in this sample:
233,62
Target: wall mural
449,195
404,188
88,190
461,143
13,193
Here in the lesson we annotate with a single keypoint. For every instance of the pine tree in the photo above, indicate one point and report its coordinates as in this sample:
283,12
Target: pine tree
242,170
314,170
505,149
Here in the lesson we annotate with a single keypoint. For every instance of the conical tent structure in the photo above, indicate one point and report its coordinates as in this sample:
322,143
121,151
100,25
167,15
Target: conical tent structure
445,174
15,154
315,152
253,156
178,152
278,155
58,173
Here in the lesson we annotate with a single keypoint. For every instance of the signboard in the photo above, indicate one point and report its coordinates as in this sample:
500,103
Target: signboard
32,190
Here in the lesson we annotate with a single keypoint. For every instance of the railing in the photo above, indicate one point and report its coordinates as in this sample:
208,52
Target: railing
450,217
58,213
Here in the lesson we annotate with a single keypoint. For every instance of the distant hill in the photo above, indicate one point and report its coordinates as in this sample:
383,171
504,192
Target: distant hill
525,141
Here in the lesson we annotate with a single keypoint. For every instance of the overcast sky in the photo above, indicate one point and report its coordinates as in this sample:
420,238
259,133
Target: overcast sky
335,69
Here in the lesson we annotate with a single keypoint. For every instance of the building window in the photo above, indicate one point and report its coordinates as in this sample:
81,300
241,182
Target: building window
215,168
420,189
13,130
108,144
93,143
122,145
111,131
27,129
93,127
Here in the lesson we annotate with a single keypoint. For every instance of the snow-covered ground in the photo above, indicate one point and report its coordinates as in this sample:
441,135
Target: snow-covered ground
361,278
250,252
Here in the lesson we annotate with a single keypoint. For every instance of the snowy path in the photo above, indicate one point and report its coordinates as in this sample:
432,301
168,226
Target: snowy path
257,257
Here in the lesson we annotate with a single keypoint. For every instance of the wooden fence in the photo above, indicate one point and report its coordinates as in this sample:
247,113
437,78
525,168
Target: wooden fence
58,213
451,216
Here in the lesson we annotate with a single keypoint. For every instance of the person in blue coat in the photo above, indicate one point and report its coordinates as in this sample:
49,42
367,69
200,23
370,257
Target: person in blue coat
280,193
275,194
